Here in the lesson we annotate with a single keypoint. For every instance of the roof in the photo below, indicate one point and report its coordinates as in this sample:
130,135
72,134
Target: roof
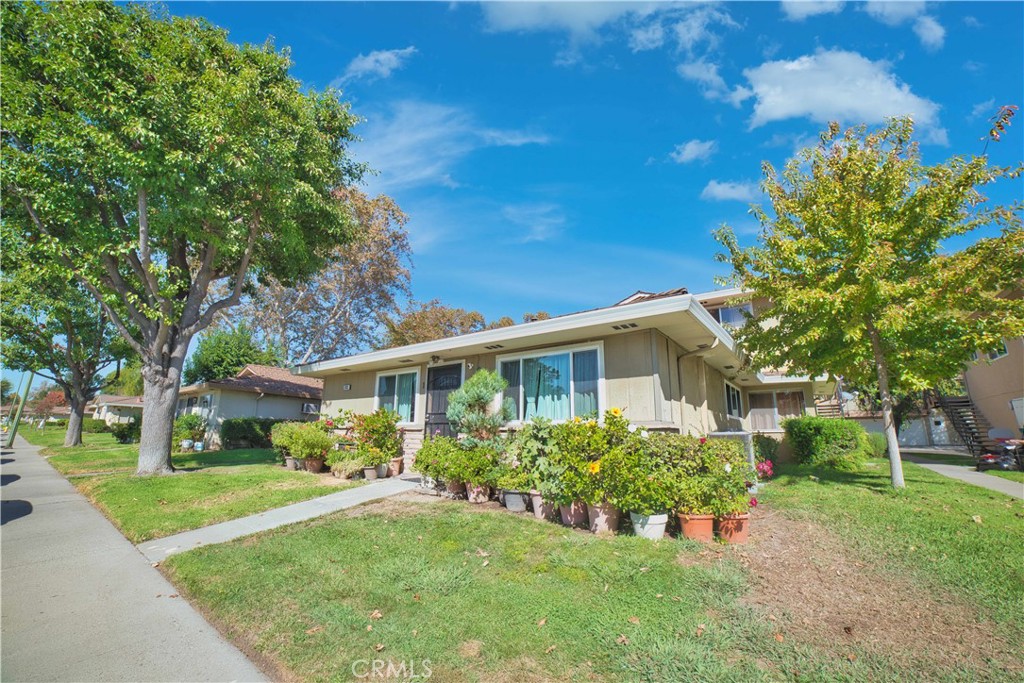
641,295
264,379
114,400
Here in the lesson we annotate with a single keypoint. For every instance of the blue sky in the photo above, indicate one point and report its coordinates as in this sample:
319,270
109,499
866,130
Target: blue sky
561,156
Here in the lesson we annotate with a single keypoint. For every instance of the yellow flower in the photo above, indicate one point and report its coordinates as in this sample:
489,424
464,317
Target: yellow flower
594,467
577,419
617,412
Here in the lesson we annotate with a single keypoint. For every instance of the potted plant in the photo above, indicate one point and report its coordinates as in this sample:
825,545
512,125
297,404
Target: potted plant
475,466
579,444
188,430
374,460
514,480
434,461
605,473
730,502
691,496
645,490
280,439
531,447
379,439
311,445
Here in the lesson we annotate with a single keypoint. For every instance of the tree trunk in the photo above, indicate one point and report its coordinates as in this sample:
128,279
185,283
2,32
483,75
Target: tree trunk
73,436
159,403
889,424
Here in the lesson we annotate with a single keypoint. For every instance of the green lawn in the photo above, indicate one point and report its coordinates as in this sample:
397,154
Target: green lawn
1012,476
945,458
210,487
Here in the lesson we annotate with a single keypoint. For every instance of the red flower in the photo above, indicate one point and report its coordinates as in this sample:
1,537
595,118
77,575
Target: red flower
703,440
753,502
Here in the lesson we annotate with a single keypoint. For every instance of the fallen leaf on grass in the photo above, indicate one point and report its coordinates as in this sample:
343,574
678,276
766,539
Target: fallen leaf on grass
779,637
550,649
369,627
415,632
156,564
634,620
851,658
416,597
378,647
622,639
419,538
848,630
315,629
645,569
486,562
605,588
540,624
977,519
676,598
700,630
480,552
375,614
659,596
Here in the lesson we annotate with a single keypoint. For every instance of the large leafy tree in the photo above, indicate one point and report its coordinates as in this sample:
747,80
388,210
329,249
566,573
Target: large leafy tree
222,353
851,260
58,331
426,321
338,310
150,158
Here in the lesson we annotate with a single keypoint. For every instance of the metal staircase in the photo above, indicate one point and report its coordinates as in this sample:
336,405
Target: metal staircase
968,422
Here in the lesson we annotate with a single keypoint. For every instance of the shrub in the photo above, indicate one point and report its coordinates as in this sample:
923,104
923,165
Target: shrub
474,465
256,431
470,407
188,426
126,432
645,481
306,441
435,457
578,444
842,444
765,447
879,446
344,462
281,437
91,426
377,435
530,450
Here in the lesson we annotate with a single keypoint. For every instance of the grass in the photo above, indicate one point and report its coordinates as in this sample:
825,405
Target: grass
947,534
945,458
210,487
1012,475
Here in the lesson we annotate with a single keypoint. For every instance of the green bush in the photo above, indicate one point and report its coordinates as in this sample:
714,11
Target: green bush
255,431
190,426
281,435
126,432
645,481
377,435
765,448
529,451
307,441
469,407
879,446
842,444
435,457
344,462
476,465
90,426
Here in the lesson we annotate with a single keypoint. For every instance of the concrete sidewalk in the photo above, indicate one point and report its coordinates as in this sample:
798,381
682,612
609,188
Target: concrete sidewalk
79,603
972,476
157,550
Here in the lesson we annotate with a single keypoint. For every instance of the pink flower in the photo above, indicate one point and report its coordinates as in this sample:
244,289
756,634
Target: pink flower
703,440
753,502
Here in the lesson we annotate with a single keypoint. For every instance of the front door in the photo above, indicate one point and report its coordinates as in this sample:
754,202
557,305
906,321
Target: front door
441,381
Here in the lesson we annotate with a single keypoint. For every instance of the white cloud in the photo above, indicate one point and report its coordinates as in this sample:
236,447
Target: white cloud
581,19
983,108
649,37
378,64
731,191
836,85
694,150
930,32
419,143
694,27
798,10
712,85
538,222
972,21
894,13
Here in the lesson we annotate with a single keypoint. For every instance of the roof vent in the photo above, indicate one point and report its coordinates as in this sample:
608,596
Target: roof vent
494,346
729,367
624,326
405,360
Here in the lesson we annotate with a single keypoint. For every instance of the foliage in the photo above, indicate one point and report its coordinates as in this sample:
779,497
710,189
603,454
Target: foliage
5,389
475,465
878,445
530,450
128,380
426,321
339,309
470,407
222,353
646,486
126,432
344,462
149,157
281,437
577,445
189,426
434,459
256,431
852,265
309,442
91,426
377,436
842,444
47,404
765,447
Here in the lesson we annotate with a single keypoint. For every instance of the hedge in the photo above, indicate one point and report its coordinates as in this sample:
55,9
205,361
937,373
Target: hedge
253,430
91,426
127,432
842,444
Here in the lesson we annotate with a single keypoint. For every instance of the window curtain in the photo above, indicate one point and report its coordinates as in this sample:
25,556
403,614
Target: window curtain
789,404
762,412
510,373
546,387
584,379
406,396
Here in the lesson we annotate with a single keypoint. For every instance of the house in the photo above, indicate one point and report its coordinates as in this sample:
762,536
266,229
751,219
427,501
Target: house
667,359
995,385
116,409
256,391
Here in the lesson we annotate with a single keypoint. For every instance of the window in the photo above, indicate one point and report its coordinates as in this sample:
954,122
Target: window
732,316
733,404
769,408
557,384
397,392
997,353
310,408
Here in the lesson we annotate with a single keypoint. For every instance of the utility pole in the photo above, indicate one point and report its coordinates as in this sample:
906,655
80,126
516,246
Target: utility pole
21,407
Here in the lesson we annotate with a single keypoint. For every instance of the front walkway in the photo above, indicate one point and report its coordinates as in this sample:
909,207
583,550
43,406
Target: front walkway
79,603
157,550
971,476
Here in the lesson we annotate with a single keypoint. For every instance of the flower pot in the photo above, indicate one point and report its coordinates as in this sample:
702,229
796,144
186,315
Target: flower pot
542,509
186,444
501,495
314,464
697,527
478,494
604,518
198,447
515,501
290,463
649,526
382,470
395,466
369,473
733,528
574,514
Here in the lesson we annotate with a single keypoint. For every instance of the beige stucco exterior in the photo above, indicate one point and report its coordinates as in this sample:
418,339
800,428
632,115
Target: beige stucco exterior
993,385
113,414
218,405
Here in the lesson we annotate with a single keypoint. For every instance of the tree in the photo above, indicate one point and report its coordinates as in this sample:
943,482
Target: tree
338,310
149,158
46,403
851,263
127,381
5,390
421,322
58,331
222,353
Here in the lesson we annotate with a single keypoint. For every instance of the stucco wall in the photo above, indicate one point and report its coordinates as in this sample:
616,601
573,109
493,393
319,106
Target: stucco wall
231,404
992,385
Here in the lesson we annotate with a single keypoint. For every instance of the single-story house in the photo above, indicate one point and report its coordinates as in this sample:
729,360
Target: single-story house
667,359
259,391
116,409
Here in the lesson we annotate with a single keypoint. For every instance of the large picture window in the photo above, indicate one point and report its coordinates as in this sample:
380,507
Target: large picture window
556,384
769,408
397,392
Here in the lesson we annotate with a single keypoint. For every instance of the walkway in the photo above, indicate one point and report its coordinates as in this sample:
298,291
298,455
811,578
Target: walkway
160,548
972,476
79,603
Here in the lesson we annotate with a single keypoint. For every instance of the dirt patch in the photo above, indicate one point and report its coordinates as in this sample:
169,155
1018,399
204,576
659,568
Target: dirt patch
817,592
395,506
470,649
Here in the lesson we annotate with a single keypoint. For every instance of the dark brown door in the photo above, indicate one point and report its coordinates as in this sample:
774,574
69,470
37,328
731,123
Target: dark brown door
441,381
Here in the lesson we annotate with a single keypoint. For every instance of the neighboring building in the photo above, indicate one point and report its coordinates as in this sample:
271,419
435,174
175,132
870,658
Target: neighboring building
667,359
116,409
995,384
256,391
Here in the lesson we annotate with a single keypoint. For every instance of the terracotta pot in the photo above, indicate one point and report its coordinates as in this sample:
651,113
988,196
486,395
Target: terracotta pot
478,494
574,514
697,527
369,473
541,508
649,526
395,466
604,518
314,464
733,528
515,501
